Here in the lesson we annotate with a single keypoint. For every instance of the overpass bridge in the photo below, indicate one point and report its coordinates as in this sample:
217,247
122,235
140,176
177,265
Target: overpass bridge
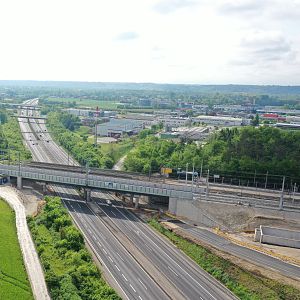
89,179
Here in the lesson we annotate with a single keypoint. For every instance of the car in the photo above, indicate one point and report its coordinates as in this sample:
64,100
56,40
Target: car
108,202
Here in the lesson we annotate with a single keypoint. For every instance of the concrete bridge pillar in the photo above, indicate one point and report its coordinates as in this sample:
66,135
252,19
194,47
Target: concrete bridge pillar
19,183
173,205
87,194
137,199
44,186
131,199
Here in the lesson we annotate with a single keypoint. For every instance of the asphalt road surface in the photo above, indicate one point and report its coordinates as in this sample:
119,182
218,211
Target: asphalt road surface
129,277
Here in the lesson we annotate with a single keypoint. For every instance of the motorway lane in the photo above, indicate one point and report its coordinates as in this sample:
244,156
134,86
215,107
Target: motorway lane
221,243
133,280
250,255
184,274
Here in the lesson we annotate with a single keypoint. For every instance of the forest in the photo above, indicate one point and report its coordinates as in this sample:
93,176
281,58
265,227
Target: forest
239,153
11,142
62,126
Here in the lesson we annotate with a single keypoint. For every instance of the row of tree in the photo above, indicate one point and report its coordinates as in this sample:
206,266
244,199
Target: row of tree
78,278
243,153
62,126
11,142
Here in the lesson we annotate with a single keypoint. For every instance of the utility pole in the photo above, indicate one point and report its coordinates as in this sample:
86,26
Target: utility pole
96,121
207,184
193,176
186,175
294,190
201,169
281,196
266,179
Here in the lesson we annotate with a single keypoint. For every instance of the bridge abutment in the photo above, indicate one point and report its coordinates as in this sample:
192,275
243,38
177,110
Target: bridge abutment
19,182
87,194
173,205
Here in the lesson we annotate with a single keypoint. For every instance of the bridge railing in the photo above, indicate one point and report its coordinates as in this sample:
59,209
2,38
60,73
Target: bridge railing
99,181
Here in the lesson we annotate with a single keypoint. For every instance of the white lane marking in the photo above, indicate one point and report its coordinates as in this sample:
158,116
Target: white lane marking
104,251
142,284
148,247
99,244
113,213
110,258
172,271
124,277
94,237
165,253
120,256
89,230
72,206
132,288
140,298
117,268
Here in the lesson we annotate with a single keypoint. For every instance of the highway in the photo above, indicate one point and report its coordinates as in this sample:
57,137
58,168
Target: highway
178,275
131,280
184,274
250,255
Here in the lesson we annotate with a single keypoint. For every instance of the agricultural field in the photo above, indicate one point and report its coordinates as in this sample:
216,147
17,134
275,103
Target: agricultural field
106,105
14,283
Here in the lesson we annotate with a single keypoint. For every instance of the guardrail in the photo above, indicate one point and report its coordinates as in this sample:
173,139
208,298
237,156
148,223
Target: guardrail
99,181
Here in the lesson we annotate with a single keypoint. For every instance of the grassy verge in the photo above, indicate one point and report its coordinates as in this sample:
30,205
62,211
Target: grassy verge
70,271
117,150
11,141
244,284
14,283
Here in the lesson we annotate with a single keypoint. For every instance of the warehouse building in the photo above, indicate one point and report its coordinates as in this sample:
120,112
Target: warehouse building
119,127
221,121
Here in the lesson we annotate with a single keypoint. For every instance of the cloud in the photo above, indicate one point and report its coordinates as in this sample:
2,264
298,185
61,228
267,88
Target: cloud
169,6
242,6
263,48
288,10
126,36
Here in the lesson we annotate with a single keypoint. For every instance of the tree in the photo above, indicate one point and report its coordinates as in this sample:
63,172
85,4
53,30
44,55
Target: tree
255,121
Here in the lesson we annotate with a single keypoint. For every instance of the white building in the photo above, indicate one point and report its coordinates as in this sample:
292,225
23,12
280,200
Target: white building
119,127
174,121
81,112
219,120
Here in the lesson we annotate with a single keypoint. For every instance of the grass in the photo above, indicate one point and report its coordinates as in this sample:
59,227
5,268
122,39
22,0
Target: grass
242,283
85,102
14,283
117,150
70,271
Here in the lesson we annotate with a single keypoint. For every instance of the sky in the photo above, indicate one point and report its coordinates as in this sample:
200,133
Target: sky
161,41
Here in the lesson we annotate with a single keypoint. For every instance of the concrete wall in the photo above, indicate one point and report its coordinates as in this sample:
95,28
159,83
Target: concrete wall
277,236
274,240
233,217
280,232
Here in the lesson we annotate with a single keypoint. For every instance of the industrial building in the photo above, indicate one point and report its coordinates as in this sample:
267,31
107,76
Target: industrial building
174,121
194,133
119,127
221,121
81,112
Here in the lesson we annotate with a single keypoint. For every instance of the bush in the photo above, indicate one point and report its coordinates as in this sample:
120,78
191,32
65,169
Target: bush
70,272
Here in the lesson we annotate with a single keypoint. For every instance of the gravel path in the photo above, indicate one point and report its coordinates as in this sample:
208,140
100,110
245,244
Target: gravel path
31,260
119,165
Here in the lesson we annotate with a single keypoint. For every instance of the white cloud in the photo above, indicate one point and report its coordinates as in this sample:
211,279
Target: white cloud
190,41
169,6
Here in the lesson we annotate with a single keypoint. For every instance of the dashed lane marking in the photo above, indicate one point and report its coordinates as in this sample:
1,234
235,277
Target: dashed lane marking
132,288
